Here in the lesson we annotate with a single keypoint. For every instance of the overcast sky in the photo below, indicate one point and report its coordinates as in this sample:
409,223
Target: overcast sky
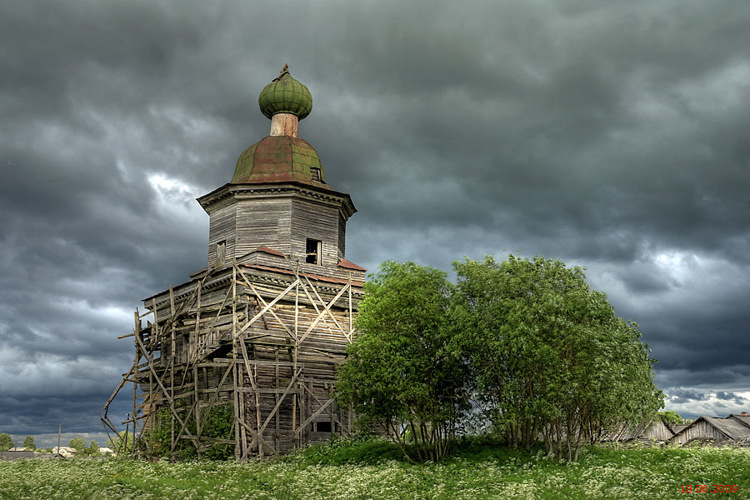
612,135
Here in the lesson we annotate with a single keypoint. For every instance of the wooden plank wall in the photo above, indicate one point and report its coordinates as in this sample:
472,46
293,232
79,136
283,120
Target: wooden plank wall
701,430
223,227
263,222
319,222
342,236
658,431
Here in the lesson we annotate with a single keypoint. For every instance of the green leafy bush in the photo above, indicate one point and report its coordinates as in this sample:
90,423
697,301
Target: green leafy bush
403,372
216,422
538,351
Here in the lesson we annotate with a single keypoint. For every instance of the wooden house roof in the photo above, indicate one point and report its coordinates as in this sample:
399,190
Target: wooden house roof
656,430
730,428
678,428
743,419
350,265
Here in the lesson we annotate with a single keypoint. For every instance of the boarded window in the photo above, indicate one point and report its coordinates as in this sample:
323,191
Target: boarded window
312,252
221,253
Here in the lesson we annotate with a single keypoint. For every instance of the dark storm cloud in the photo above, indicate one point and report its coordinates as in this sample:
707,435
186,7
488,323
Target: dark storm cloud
608,134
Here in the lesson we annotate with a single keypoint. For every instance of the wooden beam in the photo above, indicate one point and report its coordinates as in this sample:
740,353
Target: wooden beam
327,403
265,309
281,399
326,309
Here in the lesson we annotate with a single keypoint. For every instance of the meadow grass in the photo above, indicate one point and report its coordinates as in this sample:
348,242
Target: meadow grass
374,469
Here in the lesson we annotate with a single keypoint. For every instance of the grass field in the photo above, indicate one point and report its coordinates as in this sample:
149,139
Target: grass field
375,470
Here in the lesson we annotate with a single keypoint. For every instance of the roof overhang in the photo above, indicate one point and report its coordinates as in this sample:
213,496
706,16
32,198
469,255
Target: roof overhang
321,195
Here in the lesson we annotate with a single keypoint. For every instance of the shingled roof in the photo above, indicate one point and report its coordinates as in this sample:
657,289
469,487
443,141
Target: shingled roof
743,419
731,427
655,430
723,429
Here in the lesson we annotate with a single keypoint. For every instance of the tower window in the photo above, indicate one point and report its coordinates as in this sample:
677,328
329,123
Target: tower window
221,253
315,173
312,251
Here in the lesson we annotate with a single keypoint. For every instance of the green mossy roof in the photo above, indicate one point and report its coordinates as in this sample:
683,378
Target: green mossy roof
279,159
285,95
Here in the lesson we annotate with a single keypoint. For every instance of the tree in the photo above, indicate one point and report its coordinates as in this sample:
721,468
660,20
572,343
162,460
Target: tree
79,444
93,449
403,371
122,443
549,356
217,422
6,443
29,444
671,418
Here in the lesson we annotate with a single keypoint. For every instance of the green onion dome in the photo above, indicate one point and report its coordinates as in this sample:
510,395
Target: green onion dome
285,95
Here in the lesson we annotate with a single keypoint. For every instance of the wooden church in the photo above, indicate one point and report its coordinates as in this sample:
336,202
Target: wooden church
260,331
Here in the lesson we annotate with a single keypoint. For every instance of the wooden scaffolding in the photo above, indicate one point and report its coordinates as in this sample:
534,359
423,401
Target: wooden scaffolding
262,329
261,335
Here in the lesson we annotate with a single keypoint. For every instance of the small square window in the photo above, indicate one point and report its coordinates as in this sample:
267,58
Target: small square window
324,427
315,174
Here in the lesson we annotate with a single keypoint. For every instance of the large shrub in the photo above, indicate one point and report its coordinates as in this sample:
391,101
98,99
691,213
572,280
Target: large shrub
403,371
549,355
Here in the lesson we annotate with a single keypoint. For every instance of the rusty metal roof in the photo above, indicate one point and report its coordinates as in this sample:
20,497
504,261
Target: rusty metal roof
280,159
267,250
350,265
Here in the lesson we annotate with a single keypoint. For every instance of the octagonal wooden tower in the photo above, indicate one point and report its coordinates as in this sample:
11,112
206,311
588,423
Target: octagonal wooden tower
259,332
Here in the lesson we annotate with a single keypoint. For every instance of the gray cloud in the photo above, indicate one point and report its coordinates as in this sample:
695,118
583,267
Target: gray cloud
684,395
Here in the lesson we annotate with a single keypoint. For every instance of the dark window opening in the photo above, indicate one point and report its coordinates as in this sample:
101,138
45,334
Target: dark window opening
312,252
324,427
315,174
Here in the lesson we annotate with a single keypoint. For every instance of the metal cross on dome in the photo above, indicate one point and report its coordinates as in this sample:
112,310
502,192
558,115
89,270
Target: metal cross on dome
284,71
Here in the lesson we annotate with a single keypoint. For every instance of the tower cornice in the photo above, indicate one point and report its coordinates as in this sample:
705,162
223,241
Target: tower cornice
258,191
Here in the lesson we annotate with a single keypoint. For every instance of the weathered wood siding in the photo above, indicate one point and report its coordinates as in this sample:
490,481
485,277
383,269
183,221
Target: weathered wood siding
283,221
699,430
222,227
342,235
264,331
319,222
283,362
657,431
263,222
